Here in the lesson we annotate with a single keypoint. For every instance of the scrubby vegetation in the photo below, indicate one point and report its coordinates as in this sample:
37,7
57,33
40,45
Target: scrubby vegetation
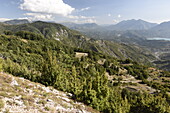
52,63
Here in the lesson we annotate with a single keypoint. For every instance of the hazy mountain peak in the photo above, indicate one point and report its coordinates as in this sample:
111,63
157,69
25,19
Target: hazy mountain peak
132,25
17,21
167,23
162,30
82,26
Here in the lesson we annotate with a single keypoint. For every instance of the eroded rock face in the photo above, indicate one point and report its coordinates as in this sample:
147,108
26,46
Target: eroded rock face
22,96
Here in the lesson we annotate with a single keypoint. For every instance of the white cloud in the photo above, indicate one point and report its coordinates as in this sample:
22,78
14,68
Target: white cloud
38,16
119,16
48,9
109,15
4,19
47,6
84,9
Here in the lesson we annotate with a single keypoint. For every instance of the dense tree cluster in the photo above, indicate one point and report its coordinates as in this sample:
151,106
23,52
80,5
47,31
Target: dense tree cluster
52,63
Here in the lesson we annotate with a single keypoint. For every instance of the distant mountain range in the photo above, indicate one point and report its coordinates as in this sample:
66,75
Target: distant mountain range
132,25
121,26
17,21
161,30
82,27
137,27
162,26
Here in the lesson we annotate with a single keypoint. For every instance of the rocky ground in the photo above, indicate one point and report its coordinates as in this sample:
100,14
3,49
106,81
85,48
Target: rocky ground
18,95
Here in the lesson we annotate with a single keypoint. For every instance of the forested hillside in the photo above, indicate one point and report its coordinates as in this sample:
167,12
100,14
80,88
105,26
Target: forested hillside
53,55
76,39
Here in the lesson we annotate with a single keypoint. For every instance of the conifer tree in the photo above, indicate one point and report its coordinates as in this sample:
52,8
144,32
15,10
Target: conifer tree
49,70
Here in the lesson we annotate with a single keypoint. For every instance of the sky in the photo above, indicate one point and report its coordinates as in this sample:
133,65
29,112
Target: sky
86,11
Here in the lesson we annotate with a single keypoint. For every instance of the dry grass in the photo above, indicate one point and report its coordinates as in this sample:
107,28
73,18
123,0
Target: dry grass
35,97
1,104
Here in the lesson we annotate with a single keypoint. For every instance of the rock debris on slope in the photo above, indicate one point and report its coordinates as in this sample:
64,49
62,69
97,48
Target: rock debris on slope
22,96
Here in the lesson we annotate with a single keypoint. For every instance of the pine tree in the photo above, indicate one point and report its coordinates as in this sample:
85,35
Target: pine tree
49,70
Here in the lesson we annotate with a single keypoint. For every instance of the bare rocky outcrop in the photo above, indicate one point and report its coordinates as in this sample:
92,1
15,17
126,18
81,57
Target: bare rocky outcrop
22,96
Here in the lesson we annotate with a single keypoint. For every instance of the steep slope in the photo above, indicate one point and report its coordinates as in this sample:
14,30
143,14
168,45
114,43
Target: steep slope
132,25
20,95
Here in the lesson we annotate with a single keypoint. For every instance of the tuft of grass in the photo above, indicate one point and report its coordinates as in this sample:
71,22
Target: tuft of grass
47,108
42,102
3,94
1,104
28,98
26,103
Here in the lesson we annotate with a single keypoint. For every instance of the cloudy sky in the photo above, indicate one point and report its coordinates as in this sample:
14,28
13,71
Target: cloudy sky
86,11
